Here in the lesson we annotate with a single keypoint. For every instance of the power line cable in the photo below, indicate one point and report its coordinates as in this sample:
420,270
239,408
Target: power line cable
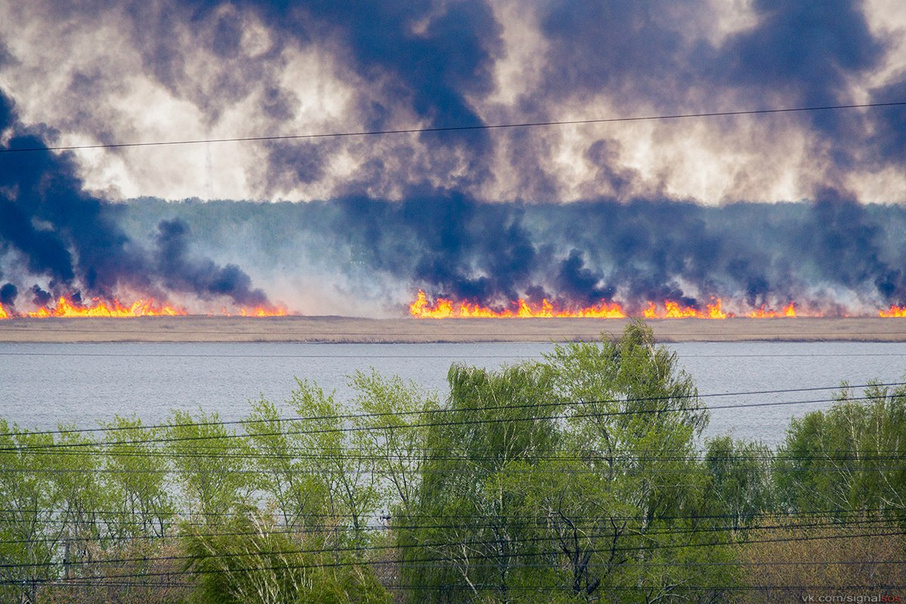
366,562
420,454
366,428
441,411
446,129
531,522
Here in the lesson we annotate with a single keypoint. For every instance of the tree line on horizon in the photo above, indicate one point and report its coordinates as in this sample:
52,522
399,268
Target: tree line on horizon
580,478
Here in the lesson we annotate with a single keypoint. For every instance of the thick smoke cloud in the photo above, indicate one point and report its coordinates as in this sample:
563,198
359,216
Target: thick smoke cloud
630,49
805,50
889,140
217,68
73,243
8,294
809,53
427,57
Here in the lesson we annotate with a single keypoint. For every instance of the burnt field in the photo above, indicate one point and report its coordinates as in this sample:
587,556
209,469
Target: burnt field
347,329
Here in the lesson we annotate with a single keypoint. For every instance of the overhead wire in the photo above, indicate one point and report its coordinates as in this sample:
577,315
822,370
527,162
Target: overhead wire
405,546
437,411
578,521
449,129
365,428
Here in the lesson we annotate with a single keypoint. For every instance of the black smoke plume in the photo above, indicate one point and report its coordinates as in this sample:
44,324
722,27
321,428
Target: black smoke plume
201,277
71,241
8,294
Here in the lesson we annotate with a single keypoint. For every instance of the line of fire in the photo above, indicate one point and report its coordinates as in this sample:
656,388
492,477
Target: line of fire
442,308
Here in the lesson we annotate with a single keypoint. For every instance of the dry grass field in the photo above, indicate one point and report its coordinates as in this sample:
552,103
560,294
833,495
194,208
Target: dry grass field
346,329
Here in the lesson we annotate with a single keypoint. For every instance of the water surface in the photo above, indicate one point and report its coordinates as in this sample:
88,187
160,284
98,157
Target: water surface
45,385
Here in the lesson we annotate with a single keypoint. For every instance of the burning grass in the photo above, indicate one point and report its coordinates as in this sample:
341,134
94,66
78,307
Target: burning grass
71,307
446,308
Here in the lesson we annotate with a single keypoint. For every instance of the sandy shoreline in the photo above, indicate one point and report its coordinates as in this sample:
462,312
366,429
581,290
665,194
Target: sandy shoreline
347,329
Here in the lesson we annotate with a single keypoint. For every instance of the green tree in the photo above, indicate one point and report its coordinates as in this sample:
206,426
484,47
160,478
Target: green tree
325,442
471,541
141,500
849,458
30,530
387,431
573,479
210,463
75,465
632,423
255,561
289,473
740,486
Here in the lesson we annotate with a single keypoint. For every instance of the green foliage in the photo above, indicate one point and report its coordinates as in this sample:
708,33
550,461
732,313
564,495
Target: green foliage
496,422
29,500
578,475
347,476
632,422
740,484
288,471
848,458
258,562
388,430
140,500
210,464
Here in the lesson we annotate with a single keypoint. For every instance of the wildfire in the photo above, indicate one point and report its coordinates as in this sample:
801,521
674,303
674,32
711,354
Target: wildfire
447,309
762,313
443,308
258,311
894,311
67,307
675,310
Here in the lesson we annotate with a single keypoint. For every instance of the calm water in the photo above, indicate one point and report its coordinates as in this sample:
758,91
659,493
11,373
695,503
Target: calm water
43,385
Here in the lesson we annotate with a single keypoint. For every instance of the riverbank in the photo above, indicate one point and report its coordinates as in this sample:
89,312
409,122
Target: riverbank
348,329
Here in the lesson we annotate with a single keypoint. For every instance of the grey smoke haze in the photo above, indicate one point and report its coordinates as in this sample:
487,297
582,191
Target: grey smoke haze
363,256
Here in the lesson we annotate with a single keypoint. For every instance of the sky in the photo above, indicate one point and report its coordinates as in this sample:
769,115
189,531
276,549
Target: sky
114,71
486,215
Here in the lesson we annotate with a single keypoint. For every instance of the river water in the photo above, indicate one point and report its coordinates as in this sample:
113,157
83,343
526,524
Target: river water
46,385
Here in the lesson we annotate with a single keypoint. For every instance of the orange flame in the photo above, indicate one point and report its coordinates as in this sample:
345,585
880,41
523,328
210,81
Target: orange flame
447,309
675,310
763,313
257,311
67,307
715,311
260,311
443,308
894,311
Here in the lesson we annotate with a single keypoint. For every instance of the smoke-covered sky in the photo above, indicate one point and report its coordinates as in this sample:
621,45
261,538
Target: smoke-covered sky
104,71
576,213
